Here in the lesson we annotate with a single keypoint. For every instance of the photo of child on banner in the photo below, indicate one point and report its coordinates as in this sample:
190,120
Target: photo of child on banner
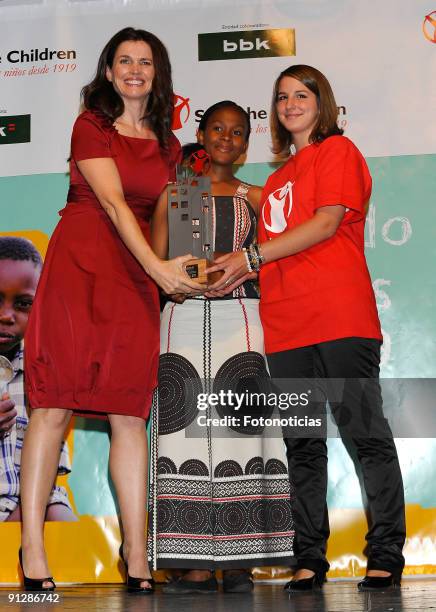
20,267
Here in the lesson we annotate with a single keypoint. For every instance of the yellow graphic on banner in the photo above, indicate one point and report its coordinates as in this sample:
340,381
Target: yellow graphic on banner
87,551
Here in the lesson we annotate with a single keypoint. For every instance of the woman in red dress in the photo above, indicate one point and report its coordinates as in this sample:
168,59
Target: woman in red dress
92,343
320,320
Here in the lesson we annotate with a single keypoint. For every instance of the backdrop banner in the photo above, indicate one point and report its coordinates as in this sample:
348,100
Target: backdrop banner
381,60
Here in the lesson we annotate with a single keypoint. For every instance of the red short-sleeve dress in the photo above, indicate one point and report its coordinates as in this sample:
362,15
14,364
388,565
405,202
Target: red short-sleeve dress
92,341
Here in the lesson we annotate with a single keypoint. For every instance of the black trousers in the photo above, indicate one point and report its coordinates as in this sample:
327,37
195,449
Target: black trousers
350,359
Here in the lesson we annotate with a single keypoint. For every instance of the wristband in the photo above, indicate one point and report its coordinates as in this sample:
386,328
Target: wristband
247,259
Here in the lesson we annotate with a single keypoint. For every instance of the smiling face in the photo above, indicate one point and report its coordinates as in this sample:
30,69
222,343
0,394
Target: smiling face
132,71
297,109
225,135
18,282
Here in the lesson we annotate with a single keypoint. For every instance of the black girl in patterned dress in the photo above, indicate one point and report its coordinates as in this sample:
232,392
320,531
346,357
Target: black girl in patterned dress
220,493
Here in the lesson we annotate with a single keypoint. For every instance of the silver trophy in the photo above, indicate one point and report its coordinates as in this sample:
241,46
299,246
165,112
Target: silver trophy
190,212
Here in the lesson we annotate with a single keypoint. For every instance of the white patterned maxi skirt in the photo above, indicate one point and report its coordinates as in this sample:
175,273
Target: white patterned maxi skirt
219,491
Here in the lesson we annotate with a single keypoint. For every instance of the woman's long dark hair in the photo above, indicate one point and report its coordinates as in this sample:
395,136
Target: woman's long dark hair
326,124
99,95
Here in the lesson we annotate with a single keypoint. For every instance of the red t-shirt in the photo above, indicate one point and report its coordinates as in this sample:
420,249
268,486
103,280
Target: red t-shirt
324,292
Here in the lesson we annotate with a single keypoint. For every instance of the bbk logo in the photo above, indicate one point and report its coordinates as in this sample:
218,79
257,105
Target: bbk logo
14,129
246,44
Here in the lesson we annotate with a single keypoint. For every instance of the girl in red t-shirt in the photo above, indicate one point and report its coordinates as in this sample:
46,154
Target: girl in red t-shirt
320,322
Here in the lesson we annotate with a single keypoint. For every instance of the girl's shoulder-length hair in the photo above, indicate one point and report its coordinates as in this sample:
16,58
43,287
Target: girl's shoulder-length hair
326,124
99,95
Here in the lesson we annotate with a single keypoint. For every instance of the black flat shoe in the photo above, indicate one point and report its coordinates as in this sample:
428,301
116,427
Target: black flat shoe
306,584
35,584
380,583
133,585
184,587
241,582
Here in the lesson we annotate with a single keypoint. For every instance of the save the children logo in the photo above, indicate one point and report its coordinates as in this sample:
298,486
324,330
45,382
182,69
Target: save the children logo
14,129
181,112
429,27
277,208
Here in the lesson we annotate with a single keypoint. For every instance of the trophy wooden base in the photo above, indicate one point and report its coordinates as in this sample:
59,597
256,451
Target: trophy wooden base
196,269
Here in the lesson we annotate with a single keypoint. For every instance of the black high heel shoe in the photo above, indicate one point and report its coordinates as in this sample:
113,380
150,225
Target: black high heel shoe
380,583
133,585
35,584
306,584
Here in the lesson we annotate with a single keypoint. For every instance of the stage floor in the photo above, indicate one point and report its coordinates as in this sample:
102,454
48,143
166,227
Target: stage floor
336,596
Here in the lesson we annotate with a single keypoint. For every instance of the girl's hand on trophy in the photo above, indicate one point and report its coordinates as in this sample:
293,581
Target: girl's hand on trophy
231,286
215,294
234,266
171,276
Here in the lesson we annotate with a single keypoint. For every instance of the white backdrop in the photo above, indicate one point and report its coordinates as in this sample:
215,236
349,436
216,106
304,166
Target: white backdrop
375,54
